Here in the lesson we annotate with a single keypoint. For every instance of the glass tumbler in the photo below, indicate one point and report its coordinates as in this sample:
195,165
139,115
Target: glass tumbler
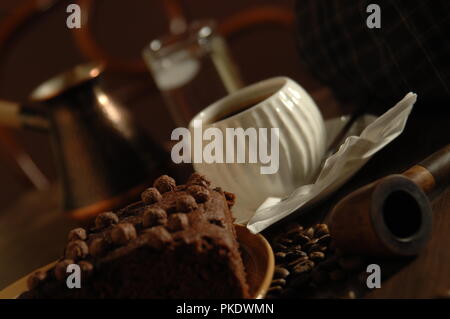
192,69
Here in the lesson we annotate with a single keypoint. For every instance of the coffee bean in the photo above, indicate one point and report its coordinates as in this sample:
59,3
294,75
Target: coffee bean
310,232
294,228
324,240
275,290
316,247
309,244
297,261
350,263
294,233
278,282
279,247
281,272
301,239
304,266
321,229
285,241
337,275
294,254
317,256
280,256
307,259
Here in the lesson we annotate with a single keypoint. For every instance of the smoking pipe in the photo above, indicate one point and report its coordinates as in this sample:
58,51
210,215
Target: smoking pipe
391,216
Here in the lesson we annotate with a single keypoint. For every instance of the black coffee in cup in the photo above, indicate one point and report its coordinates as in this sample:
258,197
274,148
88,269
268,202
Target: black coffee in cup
236,110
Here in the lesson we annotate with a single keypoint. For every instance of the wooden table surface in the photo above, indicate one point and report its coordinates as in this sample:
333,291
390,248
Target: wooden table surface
33,230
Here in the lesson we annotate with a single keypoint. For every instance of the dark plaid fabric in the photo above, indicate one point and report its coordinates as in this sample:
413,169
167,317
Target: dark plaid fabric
410,52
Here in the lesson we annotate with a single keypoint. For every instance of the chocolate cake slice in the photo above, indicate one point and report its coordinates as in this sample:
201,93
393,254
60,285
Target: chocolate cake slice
178,242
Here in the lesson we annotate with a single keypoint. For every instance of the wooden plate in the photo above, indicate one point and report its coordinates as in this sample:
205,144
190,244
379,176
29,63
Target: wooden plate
256,253
258,259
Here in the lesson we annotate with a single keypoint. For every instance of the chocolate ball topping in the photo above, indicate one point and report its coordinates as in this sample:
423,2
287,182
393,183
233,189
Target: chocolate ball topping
177,222
97,247
150,196
164,184
35,279
185,203
231,199
60,270
158,237
76,249
77,233
200,193
106,219
123,233
86,268
180,188
198,179
154,216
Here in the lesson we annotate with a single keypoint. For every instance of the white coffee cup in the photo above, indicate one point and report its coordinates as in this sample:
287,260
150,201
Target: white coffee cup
277,103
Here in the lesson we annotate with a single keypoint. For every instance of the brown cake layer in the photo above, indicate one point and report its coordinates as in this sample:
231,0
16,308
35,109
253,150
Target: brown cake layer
178,242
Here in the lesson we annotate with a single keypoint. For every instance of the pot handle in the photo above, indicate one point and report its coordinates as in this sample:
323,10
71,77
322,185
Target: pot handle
15,115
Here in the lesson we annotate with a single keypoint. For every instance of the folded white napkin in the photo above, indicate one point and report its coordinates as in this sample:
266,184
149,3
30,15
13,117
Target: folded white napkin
339,167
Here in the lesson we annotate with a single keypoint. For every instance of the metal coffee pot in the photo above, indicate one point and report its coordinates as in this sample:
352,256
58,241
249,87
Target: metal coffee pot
104,159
